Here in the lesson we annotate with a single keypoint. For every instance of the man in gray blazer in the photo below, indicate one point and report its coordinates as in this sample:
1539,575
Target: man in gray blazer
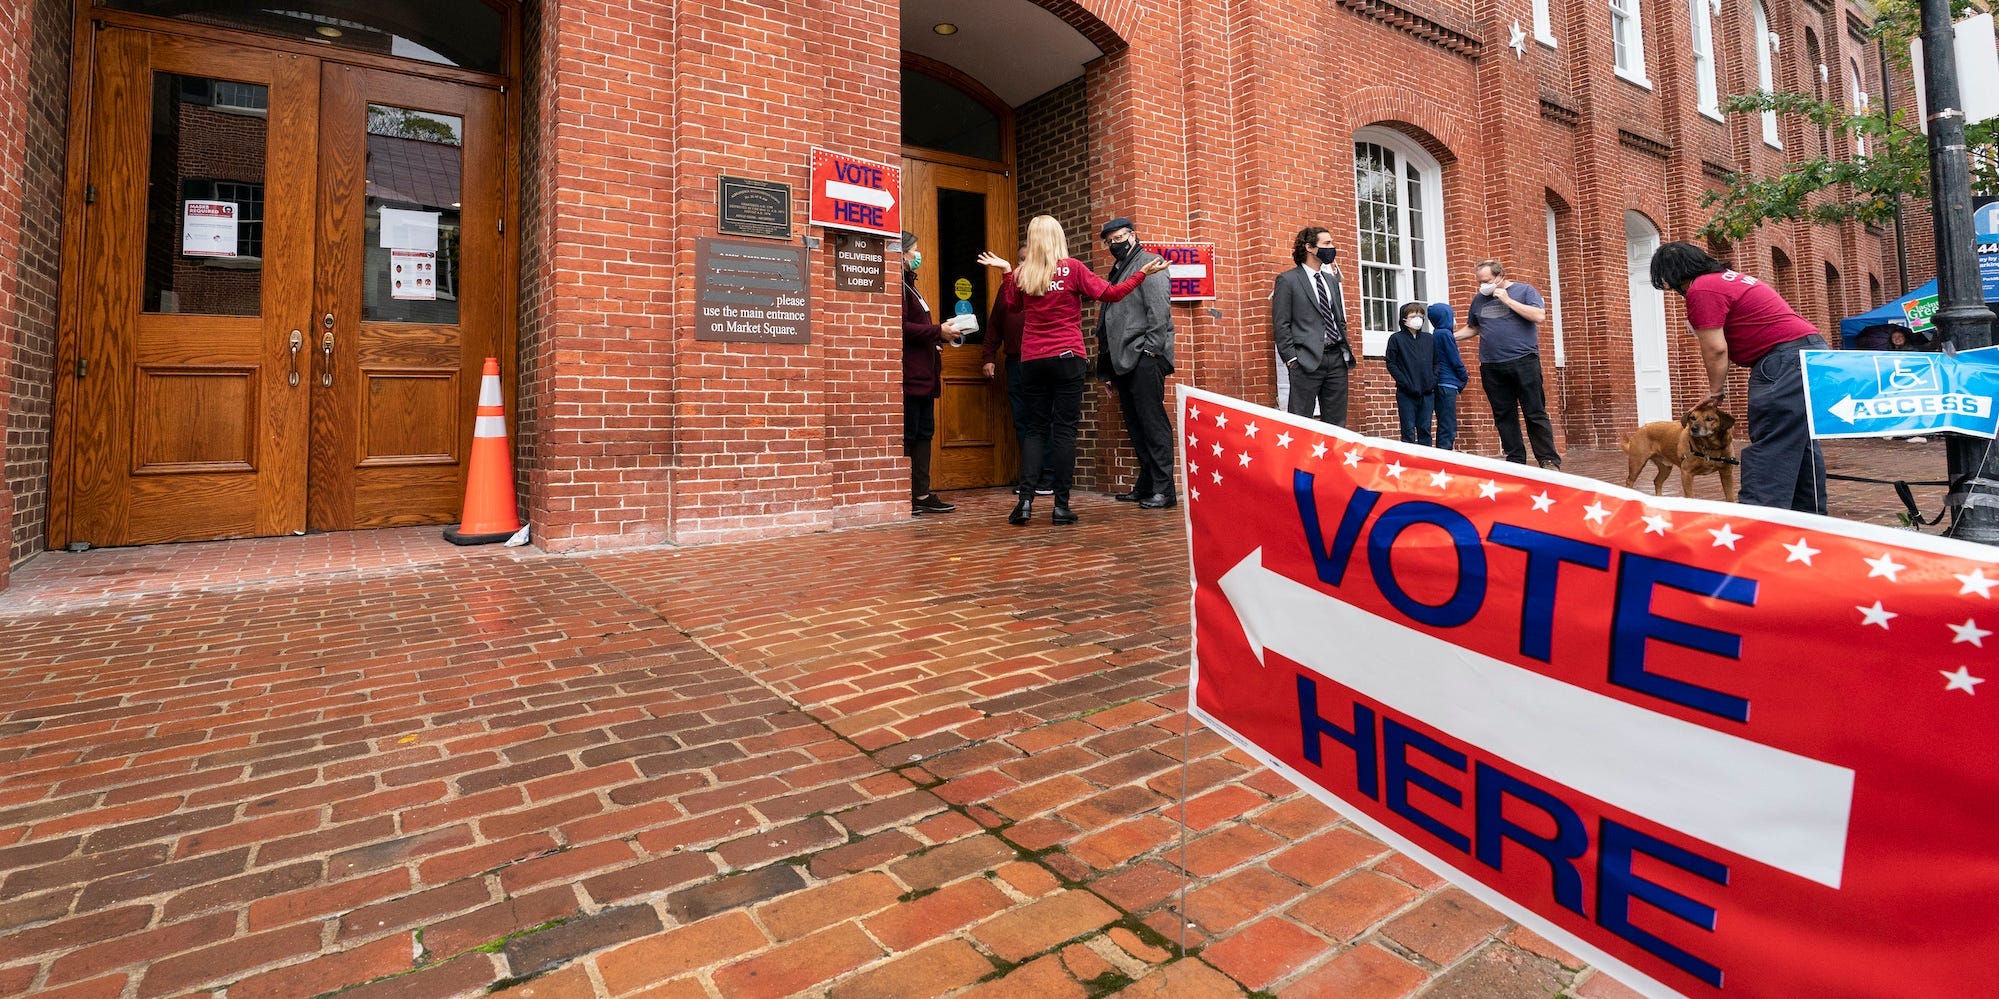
1308,315
1134,356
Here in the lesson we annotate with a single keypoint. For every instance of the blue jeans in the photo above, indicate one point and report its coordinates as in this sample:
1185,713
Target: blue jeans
1447,417
1782,466
1414,412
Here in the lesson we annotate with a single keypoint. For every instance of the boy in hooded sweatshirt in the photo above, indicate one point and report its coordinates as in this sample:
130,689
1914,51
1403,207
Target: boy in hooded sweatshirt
1451,374
1412,362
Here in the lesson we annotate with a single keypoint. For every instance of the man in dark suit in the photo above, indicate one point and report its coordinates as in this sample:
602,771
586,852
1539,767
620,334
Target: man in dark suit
1308,315
1134,356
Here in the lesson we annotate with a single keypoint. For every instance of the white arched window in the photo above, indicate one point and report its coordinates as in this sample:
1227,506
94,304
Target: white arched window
1399,202
1544,24
1857,101
1765,78
1705,93
1627,41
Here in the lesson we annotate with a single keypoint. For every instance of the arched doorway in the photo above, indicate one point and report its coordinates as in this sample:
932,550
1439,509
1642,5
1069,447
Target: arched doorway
289,250
1653,380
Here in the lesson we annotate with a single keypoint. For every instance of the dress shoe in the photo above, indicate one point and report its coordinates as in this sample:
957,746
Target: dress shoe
1023,511
1130,497
1063,515
1157,501
930,504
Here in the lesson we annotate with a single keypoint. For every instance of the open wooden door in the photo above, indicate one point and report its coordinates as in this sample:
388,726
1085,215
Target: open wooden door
190,396
955,212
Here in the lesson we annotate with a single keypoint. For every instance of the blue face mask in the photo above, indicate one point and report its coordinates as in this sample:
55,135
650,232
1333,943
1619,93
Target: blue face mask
1328,254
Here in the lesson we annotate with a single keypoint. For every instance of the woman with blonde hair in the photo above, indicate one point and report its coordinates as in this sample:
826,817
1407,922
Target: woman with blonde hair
1048,288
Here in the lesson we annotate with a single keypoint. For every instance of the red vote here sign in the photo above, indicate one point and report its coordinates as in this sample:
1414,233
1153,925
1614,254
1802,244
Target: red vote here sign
1718,750
857,194
1191,269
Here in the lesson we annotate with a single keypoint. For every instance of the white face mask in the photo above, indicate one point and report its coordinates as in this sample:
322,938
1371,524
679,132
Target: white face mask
1487,288
1413,322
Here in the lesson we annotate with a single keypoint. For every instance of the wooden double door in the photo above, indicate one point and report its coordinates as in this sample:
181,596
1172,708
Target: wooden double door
955,211
290,273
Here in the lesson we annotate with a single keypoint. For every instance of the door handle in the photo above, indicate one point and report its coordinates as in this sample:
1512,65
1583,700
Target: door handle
298,340
326,358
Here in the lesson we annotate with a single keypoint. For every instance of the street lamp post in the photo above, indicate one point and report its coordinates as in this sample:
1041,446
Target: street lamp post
1961,318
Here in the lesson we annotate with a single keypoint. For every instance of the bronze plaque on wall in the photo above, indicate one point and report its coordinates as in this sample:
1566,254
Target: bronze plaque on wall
746,207
859,263
751,292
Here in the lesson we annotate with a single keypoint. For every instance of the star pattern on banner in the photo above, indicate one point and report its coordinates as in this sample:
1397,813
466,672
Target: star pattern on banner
1960,679
1392,469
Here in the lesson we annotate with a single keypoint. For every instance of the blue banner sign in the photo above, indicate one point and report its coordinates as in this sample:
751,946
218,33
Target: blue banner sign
1872,393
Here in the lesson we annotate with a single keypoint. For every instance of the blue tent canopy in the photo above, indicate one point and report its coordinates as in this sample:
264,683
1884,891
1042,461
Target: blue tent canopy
1851,326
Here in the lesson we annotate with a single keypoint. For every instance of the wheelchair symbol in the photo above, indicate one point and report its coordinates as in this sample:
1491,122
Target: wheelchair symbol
1903,375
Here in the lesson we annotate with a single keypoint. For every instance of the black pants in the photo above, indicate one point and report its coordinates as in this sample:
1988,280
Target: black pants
1782,466
1414,412
1052,388
1141,394
1514,390
1326,386
919,424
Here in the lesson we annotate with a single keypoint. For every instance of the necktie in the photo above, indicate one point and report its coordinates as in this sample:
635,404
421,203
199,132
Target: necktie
1326,306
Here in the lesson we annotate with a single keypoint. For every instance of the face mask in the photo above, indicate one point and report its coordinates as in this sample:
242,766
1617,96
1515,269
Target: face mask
915,259
1413,322
1487,288
1328,254
1123,250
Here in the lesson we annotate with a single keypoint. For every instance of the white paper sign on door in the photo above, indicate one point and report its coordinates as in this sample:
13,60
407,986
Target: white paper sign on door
407,230
413,275
208,228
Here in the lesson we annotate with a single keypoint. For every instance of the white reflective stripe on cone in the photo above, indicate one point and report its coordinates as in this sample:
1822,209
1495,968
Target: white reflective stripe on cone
489,426
489,390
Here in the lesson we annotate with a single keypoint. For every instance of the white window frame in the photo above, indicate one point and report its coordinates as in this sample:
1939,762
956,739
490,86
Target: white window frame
1555,287
1856,95
1631,66
1765,72
1435,272
1544,24
1706,94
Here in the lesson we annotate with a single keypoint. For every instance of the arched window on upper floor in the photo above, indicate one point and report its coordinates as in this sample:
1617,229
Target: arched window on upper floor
1700,20
1764,42
1399,204
1857,100
1627,40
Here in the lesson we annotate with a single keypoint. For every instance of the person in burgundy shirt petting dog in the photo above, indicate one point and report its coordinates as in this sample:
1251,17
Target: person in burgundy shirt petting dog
1048,289
1738,318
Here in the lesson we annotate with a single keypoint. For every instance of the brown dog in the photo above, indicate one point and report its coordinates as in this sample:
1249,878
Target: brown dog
1694,445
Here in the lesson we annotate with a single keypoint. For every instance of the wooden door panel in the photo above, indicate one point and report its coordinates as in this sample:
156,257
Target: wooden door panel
391,431
186,425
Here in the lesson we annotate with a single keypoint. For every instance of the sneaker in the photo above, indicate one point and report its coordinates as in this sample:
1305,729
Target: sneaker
929,504
1918,440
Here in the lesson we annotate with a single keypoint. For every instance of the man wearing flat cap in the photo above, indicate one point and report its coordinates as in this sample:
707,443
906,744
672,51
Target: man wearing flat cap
1134,356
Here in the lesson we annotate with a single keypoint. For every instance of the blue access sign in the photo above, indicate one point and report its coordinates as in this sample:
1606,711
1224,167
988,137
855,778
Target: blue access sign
1875,393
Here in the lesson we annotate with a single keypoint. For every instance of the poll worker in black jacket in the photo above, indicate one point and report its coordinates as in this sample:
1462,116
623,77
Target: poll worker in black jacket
922,382
1412,362
1134,356
1308,316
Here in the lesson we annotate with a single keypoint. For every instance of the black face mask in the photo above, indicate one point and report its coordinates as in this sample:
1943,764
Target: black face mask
1328,254
1124,249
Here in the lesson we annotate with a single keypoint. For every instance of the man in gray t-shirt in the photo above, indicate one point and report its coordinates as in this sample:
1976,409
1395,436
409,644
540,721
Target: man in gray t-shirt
1506,316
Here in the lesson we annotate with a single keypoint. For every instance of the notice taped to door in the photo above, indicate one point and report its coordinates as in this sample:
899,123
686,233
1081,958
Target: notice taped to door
751,292
208,228
413,275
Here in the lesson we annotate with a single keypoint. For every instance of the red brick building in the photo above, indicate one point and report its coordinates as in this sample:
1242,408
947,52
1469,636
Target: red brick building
1566,137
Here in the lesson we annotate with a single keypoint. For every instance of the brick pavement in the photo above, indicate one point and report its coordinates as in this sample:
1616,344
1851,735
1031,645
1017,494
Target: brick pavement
941,757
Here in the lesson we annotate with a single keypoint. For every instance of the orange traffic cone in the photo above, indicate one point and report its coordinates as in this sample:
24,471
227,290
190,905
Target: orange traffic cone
490,514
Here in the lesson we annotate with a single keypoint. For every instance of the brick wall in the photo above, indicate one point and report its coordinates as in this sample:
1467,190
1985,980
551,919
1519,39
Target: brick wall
29,417
537,291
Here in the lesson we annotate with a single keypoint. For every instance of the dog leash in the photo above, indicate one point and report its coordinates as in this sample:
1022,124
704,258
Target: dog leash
1719,459
1902,491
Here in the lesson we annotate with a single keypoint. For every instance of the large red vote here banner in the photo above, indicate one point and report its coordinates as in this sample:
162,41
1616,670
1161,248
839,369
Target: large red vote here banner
1717,750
